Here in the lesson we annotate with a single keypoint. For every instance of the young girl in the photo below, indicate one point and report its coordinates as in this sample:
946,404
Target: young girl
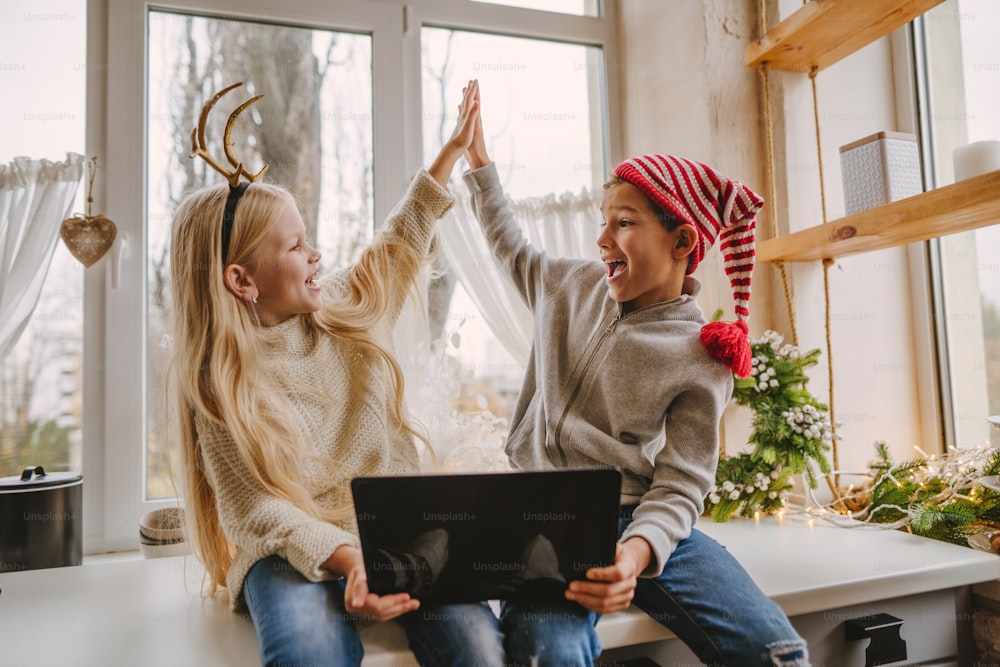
625,372
286,389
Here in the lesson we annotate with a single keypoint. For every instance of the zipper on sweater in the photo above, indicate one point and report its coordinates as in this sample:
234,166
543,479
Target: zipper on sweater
579,384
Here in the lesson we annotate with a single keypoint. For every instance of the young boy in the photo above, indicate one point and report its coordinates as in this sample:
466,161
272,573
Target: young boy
625,371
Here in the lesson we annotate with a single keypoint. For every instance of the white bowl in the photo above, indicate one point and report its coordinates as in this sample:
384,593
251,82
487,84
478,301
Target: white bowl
163,525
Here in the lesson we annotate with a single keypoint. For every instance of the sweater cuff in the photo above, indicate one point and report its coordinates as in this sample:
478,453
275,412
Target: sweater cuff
481,179
310,545
660,546
432,195
413,217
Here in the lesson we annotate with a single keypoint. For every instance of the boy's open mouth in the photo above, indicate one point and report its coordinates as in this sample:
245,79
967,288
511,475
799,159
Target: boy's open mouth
615,267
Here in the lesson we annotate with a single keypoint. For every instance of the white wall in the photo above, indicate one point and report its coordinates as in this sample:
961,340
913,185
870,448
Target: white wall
871,321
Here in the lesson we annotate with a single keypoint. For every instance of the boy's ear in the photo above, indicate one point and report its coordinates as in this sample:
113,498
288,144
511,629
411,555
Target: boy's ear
239,282
686,238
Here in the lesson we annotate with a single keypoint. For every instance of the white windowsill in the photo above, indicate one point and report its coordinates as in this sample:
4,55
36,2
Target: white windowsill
119,607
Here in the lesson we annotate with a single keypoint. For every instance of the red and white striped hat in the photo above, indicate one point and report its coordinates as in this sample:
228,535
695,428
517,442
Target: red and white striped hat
718,208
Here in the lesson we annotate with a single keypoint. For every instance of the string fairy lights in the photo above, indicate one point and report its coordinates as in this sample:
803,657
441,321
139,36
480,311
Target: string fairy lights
954,497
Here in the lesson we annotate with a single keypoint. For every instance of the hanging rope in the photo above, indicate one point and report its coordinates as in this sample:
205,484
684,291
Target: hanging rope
772,194
827,263
773,217
772,187
833,482
819,143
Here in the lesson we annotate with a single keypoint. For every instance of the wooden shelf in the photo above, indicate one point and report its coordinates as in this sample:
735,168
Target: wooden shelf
968,204
822,32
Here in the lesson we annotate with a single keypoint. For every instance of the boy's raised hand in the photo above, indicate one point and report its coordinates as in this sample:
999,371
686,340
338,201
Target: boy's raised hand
462,136
476,154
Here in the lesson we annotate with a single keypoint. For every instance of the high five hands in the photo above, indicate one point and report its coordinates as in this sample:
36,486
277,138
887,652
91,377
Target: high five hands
462,137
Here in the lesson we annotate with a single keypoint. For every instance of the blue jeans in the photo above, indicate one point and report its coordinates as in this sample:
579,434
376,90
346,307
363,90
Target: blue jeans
703,595
299,622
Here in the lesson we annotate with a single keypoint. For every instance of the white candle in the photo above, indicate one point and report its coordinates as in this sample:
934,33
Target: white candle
979,157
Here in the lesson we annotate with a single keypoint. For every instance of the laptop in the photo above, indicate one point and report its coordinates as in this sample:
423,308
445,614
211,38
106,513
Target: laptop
450,538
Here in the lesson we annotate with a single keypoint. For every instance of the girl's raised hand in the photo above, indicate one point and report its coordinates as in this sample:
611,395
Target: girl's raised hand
468,117
462,136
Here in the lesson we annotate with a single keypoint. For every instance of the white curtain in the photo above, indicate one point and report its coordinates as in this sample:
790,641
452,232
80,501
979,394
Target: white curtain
35,197
563,226
566,225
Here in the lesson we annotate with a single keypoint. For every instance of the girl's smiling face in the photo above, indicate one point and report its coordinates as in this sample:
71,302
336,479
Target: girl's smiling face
285,270
645,262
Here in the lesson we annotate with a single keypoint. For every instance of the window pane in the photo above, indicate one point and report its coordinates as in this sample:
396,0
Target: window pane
313,128
41,378
542,117
964,72
576,7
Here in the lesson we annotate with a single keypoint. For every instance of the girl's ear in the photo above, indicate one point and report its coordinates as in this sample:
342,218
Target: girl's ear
239,282
686,238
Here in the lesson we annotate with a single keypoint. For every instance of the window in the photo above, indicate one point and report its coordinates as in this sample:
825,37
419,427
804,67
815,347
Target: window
365,127
150,53
959,75
41,379
545,136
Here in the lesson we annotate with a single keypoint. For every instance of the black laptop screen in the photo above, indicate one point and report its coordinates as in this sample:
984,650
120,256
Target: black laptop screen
468,537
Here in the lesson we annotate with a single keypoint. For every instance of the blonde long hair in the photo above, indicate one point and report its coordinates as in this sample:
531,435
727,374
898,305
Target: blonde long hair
216,368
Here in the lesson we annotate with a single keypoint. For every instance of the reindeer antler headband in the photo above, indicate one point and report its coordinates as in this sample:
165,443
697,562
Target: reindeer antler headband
199,148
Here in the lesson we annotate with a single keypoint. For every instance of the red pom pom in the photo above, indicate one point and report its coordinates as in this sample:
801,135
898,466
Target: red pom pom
729,343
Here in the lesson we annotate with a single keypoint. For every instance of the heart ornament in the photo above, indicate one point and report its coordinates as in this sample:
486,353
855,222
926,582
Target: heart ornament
88,237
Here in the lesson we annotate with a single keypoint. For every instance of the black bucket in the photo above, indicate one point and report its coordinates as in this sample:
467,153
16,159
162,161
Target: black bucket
41,522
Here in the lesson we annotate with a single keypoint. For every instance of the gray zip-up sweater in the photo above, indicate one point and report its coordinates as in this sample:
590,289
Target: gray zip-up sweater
637,391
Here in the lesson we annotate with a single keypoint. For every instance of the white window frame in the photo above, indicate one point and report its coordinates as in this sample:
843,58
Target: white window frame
935,376
114,440
938,380
934,425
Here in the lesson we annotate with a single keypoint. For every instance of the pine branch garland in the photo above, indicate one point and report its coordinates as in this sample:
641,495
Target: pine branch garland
942,498
949,498
791,432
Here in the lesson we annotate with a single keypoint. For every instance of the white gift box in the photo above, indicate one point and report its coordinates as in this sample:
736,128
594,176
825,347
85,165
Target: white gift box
879,169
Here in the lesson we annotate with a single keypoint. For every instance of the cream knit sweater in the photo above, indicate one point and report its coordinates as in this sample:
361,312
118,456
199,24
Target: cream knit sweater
340,408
